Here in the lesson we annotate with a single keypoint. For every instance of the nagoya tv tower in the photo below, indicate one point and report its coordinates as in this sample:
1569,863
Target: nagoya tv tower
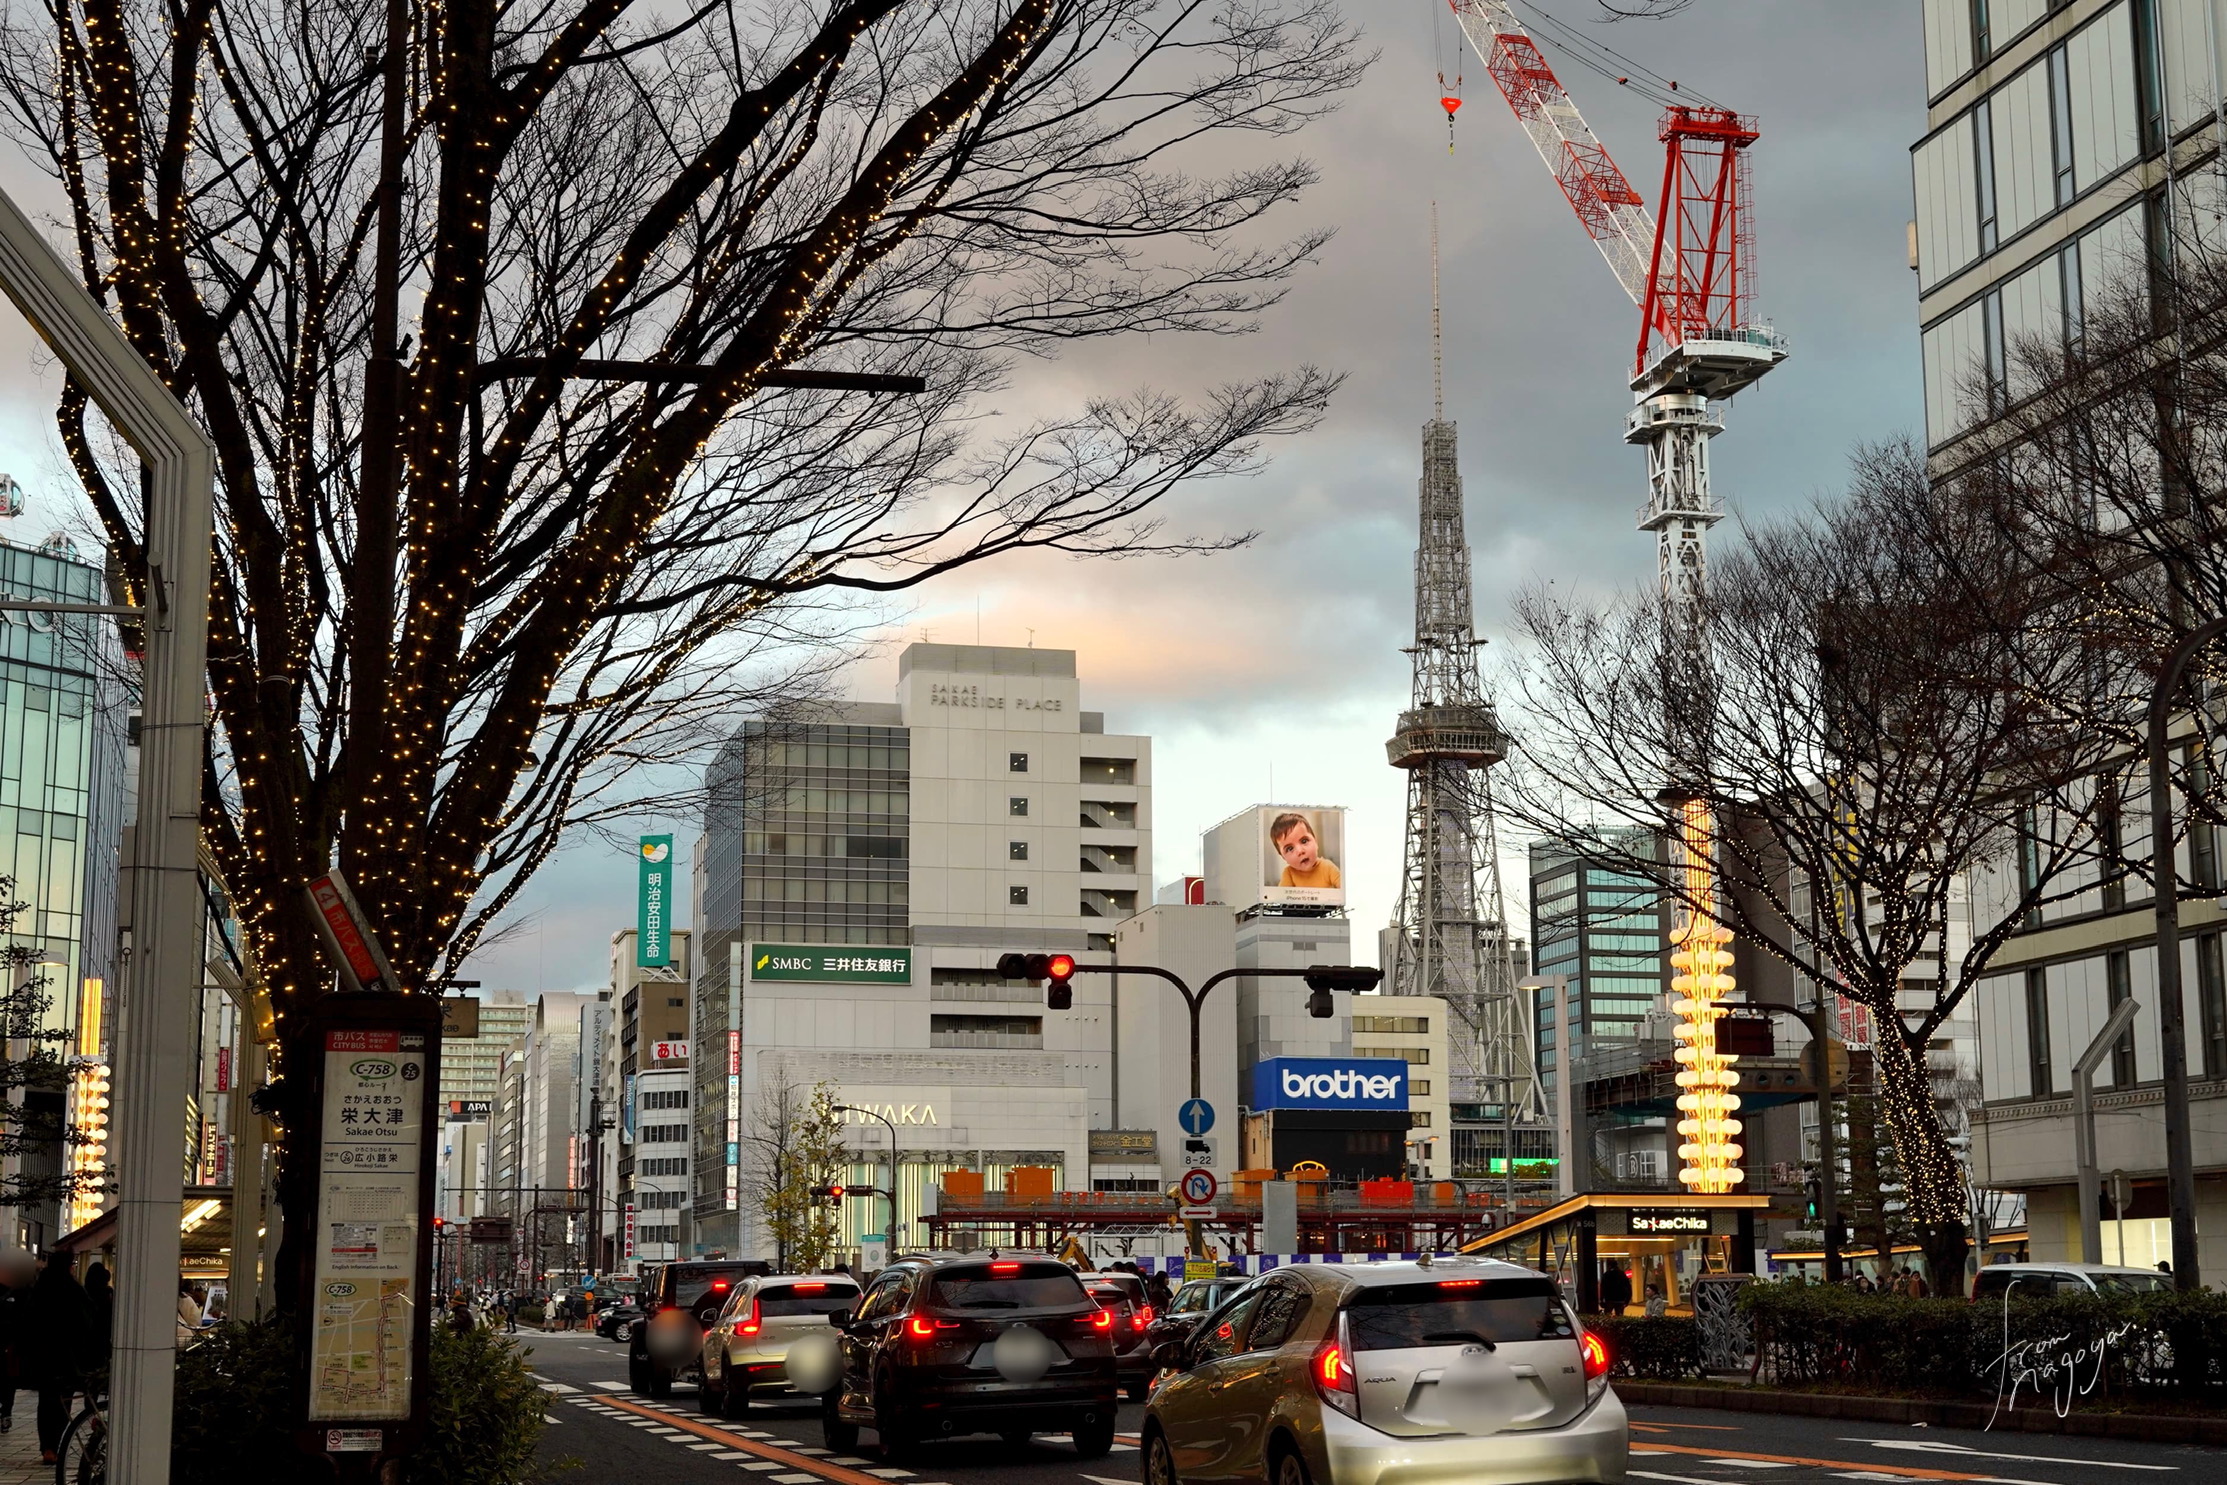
1451,939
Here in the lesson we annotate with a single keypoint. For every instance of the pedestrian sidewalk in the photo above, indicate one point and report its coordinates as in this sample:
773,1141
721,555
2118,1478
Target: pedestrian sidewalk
19,1447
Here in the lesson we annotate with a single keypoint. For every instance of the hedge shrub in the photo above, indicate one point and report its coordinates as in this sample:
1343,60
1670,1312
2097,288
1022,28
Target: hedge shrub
236,1392
1819,1335
1659,1348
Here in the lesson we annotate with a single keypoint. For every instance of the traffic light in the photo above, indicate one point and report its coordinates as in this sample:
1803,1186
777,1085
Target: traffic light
1057,969
829,1196
1324,978
1809,1198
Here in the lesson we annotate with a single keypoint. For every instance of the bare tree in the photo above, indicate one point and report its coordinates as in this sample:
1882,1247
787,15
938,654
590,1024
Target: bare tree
796,1143
1864,737
490,545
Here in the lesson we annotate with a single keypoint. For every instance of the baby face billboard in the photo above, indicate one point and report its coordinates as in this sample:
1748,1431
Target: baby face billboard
1301,851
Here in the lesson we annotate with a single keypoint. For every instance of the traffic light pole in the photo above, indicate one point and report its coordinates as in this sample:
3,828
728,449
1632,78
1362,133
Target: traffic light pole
846,1108
1828,1151
1320,978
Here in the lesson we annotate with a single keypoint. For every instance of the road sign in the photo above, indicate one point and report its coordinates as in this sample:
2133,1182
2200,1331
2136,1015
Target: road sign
1199,1155
1196,1116
1199,1187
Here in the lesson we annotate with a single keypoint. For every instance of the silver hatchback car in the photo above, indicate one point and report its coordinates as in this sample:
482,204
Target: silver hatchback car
746,1350
1457,1372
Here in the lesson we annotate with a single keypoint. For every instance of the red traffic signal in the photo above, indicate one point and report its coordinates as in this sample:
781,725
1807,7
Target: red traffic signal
1060,967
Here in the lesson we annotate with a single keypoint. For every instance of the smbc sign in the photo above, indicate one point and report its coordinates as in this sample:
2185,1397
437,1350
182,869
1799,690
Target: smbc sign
814,964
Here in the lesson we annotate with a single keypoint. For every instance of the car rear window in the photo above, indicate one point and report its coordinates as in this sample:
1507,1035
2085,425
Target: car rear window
2115,1285
1001,1286
692,1281
1452,1312
1109,1295
806,1299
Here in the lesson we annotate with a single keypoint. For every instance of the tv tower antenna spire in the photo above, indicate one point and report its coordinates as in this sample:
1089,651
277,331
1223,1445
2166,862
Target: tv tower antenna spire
1451,937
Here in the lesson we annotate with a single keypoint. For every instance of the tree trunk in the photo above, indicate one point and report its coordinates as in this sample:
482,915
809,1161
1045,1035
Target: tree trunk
1933,1180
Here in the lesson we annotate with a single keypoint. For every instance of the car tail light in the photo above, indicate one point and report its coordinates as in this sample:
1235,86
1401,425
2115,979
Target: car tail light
809,1288
1459,1283
1005,1268
1144,1317
719,1283
1594,1350
1333,1369
751,1322
924,1327
1103,1320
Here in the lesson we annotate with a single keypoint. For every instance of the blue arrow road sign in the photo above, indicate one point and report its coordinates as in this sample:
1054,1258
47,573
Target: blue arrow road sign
1196,1116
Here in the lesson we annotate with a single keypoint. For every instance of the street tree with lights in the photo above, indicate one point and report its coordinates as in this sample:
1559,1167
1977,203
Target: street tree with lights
555,359
1864,739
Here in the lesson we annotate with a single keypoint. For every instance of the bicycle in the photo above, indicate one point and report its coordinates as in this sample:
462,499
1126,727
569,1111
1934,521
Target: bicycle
82,1457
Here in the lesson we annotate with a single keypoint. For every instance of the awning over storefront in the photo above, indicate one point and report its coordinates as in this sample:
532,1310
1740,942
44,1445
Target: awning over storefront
1570,1239
204,1231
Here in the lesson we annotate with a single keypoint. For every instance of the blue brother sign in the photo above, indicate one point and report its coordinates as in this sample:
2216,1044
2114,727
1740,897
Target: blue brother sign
1330,1083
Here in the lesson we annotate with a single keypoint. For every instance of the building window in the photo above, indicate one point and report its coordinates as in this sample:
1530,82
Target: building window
2149,77
1016,762
675,1003
1017,850
2211,1005
2037,1032
1983,168
664,1134
1418,1121
2060,126
667,1098
2118,981
677,1166
1016,806
1418,1087
1017,896
1983,41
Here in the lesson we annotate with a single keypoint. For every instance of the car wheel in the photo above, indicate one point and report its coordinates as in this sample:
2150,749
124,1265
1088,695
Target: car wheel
840,1436
1288,1468
711,1401
735,1401
1159,1459
1015,1438
638,1374
661,1381
1095,1439
1140,1389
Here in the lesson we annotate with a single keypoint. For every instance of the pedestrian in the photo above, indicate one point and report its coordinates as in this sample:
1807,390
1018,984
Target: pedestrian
57,1336
1616,1289
460,1317
100,1303
1163,1294
1657,1305
17,1273
510,1313
189,1314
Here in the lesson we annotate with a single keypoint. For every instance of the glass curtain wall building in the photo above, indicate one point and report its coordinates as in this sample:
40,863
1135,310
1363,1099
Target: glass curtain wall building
1601,925
63,791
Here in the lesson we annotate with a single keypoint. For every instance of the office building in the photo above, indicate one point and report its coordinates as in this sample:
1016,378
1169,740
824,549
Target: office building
64,796
2068,147
471,1066
535,1167
863,867
648,1142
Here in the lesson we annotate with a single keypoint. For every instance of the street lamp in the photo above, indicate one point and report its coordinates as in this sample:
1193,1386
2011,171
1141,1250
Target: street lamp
891,1192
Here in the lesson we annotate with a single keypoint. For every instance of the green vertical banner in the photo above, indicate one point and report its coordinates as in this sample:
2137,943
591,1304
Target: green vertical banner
653,913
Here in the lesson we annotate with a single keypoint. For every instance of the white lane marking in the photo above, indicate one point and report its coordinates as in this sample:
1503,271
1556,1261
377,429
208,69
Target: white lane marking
666,1433
557,1387
764,1464
795,1478
808,1449
847,1459
746,1433
731,1454
1961,1451
1103,1480
645,1422
1674,1479
1865,1475
609,1386
1121,1448
1755,1464
703,1446
896,1474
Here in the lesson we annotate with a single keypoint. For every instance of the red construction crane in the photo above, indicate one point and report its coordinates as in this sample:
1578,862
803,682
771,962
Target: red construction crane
1691,272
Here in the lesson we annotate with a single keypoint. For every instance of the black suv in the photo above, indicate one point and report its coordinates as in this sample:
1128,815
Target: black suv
918,1356
687,1295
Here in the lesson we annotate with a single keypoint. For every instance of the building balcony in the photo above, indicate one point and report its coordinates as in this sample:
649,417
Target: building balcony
1109,814
1116,905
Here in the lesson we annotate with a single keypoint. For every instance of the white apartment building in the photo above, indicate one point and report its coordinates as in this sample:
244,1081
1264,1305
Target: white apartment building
2067,145
863,867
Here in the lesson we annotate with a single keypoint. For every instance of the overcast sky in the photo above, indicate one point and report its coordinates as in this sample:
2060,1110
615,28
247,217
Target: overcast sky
1275,673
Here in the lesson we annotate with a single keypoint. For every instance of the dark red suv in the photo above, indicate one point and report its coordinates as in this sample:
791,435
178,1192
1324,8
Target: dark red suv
940,1347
